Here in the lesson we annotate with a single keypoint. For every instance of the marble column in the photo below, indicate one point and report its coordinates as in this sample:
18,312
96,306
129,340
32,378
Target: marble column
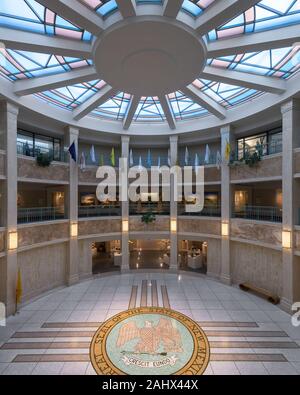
173,207
72,271
8,132
227,136
290,140
125,140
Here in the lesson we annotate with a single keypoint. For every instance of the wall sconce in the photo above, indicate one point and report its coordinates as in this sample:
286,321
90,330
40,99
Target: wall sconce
286,239
13,240
125,226
173,225
74,229
225,229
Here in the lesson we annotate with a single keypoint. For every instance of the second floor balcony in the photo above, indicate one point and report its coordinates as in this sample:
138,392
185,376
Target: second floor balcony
258,213
106,210
40,214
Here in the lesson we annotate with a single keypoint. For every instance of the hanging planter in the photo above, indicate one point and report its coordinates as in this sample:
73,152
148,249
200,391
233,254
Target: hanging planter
249,159
43,160
148,218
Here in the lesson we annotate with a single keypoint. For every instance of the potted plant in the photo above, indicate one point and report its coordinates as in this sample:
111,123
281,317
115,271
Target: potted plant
43,160
148,218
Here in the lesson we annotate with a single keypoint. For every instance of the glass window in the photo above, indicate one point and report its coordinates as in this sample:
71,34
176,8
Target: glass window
31,144
25,143
275,143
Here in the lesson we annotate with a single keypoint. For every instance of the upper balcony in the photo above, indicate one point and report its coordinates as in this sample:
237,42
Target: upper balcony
257,157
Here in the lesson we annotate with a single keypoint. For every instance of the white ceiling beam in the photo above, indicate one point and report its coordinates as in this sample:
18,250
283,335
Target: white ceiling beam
172,8
167,109
76,13
205,101
95,101
42,84
255,42
34,42
131,110
246,80
220,12
127,8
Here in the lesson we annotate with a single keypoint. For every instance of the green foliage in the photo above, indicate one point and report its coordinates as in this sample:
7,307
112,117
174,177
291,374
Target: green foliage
250,159
43,160
148,218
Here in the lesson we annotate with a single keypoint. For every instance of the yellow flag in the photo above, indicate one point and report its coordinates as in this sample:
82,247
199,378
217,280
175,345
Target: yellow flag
101,160
19,290
112,157
228,151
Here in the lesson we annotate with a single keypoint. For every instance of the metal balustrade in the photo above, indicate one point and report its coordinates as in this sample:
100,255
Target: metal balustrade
40,214
99,211
258,213
155,208
33,151
209,211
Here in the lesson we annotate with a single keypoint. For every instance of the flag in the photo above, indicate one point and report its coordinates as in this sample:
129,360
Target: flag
19,289
149,160
158,162
219,160
72,152
207,155
196,162
140,163
227,151
187,156
101,160
169,158
113,158
82,161
131,161
92,154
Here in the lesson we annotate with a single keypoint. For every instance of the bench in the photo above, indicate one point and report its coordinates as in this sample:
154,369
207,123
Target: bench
274,299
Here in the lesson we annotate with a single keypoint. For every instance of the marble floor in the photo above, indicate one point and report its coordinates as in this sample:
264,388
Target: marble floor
247,335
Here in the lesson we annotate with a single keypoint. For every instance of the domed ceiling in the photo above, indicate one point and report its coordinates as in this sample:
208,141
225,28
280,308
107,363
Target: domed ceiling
149,61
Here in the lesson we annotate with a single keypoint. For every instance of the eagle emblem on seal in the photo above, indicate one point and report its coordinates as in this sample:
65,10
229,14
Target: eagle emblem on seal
151,337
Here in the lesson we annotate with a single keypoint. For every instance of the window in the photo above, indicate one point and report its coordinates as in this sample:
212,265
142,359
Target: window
268,143
32,144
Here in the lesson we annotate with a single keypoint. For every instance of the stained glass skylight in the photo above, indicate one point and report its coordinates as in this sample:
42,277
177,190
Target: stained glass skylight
31,16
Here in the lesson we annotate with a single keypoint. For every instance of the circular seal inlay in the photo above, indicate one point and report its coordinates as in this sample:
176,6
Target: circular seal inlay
150,341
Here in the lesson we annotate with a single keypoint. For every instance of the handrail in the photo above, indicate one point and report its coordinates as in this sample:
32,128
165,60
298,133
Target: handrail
208,211
99,211
258,213
40,214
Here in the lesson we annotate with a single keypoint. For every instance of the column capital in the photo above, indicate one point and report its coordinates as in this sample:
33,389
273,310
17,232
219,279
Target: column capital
125,139
71,130
291,105
226,129
8,107
173,139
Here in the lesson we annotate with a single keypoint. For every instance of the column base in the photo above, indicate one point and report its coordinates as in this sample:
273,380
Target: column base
225,280
72,280
286,305
10,309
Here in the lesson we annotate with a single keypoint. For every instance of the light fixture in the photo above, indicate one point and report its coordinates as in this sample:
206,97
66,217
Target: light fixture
225,229
173,225
13,240
286,239
125,226
74,229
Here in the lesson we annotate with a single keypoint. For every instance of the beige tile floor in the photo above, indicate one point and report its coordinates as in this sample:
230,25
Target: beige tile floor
246,333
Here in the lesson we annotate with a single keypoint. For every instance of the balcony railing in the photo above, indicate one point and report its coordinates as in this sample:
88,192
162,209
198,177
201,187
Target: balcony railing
263,149
99,211
209,211
155,208
40,214
27,149
258,213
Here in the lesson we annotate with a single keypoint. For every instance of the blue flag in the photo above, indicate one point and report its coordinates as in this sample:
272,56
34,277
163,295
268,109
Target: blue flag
72,151
149,159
